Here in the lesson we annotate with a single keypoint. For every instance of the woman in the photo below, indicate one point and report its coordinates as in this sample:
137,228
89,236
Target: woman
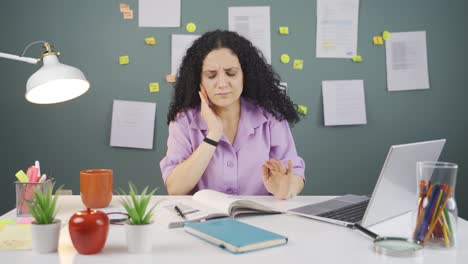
228,123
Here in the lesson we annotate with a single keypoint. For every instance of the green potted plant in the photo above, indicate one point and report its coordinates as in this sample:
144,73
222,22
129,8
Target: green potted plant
139,225
45,229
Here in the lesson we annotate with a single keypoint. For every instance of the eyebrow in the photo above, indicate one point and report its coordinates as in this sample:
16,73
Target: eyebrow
225,69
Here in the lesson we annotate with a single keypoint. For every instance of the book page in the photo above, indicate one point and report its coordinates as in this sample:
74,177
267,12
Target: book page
166,214
217,200
230,205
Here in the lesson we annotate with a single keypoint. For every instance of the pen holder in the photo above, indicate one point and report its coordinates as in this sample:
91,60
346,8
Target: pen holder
436,213
25,195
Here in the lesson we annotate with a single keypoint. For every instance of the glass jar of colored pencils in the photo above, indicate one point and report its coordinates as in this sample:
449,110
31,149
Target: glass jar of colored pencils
436,213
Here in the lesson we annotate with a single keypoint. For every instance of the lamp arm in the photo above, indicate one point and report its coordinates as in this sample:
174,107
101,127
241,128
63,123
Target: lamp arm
19,58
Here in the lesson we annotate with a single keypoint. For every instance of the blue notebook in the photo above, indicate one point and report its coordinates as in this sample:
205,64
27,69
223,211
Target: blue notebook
234,236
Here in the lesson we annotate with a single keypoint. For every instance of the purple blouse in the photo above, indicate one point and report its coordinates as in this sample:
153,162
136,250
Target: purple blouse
237,168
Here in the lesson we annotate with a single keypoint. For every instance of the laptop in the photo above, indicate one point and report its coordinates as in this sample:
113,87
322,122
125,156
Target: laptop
394,193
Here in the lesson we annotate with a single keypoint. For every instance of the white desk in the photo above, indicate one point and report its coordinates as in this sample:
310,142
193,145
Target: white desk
310,241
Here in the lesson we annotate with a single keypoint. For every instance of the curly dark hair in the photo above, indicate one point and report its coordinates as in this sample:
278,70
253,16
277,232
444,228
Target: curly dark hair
261,83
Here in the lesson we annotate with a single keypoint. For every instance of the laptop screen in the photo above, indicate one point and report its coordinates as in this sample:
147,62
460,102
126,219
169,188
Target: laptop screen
395,192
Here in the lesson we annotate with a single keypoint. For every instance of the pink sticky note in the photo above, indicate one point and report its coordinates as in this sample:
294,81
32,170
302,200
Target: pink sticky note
34,172
25,220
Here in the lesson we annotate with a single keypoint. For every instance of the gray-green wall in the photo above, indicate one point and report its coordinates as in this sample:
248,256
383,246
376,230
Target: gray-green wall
91,35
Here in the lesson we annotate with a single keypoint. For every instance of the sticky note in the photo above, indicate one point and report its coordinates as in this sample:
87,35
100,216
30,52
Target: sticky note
378,40
21,176
154,87
127,14
298,64
124,7
7,221
386,35
150,41
285,58
357,58
191,27
284,30
25,220
170,78
302,109
124,60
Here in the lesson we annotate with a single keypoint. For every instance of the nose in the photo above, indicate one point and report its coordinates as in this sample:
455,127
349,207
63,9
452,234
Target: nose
222,80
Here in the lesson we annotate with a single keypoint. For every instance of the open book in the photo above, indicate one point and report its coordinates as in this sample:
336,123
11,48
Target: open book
204,205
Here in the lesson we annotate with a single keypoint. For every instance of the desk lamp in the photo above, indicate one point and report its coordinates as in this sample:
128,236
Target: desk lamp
54,82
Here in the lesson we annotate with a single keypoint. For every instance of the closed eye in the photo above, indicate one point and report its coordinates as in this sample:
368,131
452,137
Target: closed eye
231,72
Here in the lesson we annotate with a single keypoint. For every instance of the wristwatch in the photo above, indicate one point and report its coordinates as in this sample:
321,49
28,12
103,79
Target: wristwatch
210,141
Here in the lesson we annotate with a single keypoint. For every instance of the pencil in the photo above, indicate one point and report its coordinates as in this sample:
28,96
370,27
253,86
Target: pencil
428,213
423,211
437,206
445,230
428,235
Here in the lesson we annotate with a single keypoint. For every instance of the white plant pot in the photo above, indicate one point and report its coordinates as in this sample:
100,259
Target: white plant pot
45,237
139,238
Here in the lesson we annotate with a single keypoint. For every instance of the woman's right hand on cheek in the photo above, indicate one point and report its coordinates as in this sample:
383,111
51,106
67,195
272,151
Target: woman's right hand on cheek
214,123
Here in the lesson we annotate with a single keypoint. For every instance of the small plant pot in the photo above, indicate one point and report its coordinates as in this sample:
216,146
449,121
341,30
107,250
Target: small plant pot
139,237
45,237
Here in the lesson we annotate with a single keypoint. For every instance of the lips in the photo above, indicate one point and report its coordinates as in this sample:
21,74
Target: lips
223,94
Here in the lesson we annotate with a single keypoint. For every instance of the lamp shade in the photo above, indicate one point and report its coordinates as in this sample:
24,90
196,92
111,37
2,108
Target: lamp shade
55,82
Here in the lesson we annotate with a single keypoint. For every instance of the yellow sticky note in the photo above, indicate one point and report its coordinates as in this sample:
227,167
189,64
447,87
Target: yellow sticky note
357,58
378,40
191,27
21,176
302,109
127,14
298,64
154,87
285,58
7,221
386,35
170,78
284,30
150,41
124,60
124,7
14,238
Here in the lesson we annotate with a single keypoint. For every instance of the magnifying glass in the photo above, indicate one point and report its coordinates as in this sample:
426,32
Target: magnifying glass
394,246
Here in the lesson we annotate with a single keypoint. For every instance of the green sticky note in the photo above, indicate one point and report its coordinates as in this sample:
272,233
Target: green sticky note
302,109
21,176
298,64
386,34
284,30
7,221
285,58
357,58
191,27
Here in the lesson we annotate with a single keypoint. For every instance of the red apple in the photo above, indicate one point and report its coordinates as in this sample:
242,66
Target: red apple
88,230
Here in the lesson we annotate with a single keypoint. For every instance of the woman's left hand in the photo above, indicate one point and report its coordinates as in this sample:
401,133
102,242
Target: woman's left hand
277,178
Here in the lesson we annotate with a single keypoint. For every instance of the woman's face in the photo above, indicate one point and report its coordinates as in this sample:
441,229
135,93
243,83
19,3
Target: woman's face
222,77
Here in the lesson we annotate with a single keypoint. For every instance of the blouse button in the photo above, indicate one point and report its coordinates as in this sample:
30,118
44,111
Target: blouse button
230,164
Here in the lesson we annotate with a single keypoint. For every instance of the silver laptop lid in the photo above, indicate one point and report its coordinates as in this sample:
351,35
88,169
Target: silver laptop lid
395,191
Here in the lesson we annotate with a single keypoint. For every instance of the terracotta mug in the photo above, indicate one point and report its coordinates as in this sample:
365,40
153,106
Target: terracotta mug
96,187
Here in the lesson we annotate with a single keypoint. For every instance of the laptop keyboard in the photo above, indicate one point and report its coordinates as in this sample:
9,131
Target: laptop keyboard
352,213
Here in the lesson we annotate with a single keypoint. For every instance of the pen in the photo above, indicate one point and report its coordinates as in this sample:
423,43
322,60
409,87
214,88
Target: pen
179,212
